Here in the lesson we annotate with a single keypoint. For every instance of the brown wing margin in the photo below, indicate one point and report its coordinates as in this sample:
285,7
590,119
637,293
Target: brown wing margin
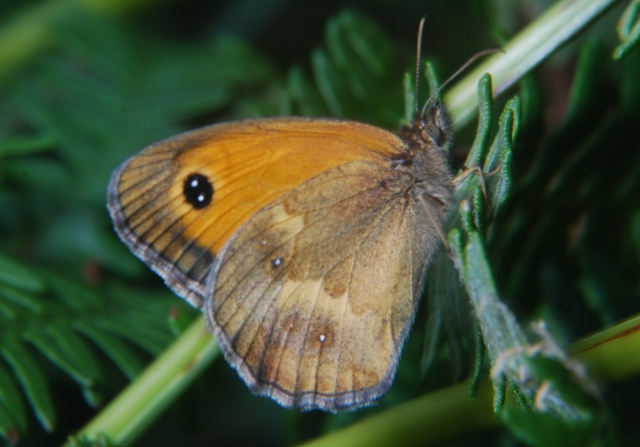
184,274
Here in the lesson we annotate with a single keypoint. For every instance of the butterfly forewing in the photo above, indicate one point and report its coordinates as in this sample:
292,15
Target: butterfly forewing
248,164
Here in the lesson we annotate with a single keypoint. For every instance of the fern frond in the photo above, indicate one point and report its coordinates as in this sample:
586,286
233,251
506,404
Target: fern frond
97,95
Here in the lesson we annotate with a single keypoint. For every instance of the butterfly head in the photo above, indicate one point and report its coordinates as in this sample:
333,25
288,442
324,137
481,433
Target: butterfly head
431,130
433,126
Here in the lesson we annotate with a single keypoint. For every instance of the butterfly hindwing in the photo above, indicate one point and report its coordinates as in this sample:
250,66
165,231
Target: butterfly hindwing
312,297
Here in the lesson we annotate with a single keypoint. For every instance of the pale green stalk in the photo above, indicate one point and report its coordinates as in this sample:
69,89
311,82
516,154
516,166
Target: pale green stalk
135,408
434,418
611,354
524,52
449,414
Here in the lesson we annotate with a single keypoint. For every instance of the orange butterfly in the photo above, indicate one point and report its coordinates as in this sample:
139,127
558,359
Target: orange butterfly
304,242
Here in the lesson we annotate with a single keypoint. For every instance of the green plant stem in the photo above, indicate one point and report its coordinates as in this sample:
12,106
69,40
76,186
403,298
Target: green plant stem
148,396
532,46
449,414
444,415
611,354
434,418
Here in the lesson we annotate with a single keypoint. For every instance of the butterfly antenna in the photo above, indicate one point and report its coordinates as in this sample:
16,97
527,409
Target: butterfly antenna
471,60
418,53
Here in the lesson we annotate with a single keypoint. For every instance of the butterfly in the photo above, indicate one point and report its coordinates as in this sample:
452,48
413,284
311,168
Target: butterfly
304,242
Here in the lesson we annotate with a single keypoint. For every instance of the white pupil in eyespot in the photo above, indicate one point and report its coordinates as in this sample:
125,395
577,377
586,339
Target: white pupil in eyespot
201,198
194,183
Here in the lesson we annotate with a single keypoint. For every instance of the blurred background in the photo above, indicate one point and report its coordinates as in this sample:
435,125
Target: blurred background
86,84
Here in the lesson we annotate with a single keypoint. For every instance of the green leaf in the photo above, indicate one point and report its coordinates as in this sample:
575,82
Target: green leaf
151,340
485,122
51,350
75,349
358,58
628,30
24,300
27,145
120,353
330,83
12,401
13,274
72,294
408,86
500,155
179,321
84,441
8,429
33,382
302,97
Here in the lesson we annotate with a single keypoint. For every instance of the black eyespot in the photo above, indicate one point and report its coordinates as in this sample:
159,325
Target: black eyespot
198,191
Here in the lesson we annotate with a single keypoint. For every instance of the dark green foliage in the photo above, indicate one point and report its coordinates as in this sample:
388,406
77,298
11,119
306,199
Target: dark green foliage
571,216
78,110
347,74
628,30
559,228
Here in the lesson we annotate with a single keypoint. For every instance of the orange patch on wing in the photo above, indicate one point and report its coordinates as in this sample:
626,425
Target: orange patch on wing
244,161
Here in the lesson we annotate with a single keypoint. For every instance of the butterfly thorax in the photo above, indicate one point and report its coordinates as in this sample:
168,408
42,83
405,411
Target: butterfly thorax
427,142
